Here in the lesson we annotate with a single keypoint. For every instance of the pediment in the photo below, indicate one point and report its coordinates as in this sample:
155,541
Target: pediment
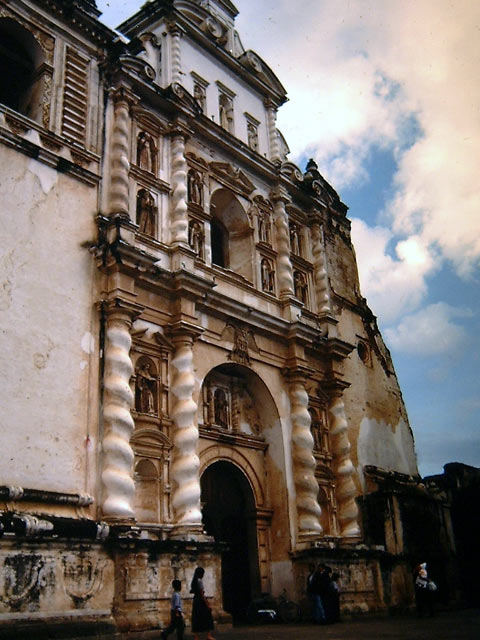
149,120
233,176
254,63
138,66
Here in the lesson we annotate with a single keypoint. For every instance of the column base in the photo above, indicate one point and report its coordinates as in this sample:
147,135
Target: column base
189,532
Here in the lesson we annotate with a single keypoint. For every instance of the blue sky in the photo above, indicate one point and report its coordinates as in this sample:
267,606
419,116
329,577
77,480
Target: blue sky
385,96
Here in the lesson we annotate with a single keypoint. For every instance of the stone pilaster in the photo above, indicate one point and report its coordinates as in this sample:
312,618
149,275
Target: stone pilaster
284,265
117,462
306,486
118,202
274,145
184,470
343,469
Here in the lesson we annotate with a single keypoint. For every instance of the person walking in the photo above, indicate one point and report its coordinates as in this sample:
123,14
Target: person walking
318,588
177,621
201,610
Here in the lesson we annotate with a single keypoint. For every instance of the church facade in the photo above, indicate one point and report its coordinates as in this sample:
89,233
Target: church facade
191,375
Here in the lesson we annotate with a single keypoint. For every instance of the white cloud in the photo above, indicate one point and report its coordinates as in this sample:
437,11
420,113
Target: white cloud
356,72
430,331
393,286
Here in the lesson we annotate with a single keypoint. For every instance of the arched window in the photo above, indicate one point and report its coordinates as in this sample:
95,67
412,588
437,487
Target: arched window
231,234
22,72
219,244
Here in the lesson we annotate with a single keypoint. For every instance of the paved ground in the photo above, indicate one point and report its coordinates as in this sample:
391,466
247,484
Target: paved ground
457,625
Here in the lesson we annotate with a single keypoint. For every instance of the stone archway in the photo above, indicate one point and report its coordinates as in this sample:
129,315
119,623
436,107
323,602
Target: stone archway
228,510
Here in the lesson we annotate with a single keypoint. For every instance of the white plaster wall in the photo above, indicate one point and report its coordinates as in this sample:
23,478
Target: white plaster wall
46,326
246,99
386,446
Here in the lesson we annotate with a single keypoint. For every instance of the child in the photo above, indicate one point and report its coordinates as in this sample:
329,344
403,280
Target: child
177,622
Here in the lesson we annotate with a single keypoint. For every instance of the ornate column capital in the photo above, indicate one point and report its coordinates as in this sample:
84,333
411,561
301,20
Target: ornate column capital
123,94
182,331
174,29
280,194
128,311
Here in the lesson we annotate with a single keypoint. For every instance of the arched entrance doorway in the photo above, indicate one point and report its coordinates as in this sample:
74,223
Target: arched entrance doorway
228,508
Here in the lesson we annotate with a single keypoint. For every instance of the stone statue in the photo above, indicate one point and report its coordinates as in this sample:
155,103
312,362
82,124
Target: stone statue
221,408
146,389
294,240
226,113
264,227
146,152
252,136
199,95
268,276
146,212
195,237
195,187
300,285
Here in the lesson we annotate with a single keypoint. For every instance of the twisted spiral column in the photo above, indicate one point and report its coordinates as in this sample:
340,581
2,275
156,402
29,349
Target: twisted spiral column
117,464
118,195
306,486
179,215
322,289
272,131
176,54
343,469
284,265
185,462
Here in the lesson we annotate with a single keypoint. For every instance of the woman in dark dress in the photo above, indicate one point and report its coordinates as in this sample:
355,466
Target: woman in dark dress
201,611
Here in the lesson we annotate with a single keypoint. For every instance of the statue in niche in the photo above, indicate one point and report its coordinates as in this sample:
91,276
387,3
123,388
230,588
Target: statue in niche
316,430
146,388
300,285
146,152
220,403
196,237
146,212
226,113
195,187
264,227
294,240
199,95
252,136
268,276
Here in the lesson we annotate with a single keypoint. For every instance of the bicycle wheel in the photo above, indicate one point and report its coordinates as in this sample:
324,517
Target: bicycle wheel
289,611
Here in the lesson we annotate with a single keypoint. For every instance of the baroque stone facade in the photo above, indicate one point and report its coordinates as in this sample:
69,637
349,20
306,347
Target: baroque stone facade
191,375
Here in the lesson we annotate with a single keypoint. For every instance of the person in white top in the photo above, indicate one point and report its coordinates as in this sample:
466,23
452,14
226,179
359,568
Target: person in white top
177,622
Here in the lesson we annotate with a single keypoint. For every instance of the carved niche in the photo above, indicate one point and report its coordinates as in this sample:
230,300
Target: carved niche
196,237
228,404
146,387
195,187
300,286
267,274
146,153
146,213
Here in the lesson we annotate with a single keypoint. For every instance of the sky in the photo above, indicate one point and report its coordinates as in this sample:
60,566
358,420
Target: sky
385,96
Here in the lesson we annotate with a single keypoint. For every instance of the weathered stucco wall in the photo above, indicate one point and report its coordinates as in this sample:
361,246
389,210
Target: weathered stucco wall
48,435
